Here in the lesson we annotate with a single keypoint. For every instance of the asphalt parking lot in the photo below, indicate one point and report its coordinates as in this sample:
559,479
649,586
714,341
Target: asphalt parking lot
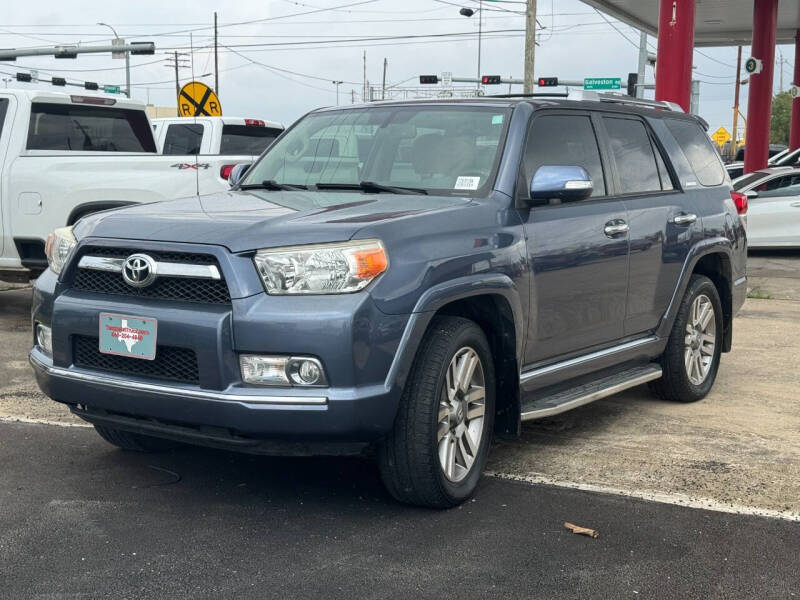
78,516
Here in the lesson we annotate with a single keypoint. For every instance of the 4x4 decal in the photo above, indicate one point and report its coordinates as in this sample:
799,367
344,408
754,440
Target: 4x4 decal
182,166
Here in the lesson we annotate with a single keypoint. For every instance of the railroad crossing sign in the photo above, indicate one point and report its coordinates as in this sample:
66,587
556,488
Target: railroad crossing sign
196,99
721,136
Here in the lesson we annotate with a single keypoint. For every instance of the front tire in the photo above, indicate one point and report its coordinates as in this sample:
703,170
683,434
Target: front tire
133,442
436,452
691,358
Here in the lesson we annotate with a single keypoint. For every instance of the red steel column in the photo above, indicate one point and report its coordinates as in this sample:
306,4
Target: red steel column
759,99
675,47
794,135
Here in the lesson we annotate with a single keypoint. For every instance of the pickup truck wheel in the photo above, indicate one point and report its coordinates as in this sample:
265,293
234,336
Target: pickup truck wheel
437,449
691,358
135,442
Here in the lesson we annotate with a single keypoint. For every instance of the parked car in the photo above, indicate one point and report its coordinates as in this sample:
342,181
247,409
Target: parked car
63,156
238,139
417,276
783,158
773,217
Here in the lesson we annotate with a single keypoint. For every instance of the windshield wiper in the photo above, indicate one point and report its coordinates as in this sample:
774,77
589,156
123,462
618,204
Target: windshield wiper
371,186
271,184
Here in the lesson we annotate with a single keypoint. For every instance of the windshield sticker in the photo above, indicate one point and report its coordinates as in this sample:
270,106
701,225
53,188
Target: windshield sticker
497,120
467,183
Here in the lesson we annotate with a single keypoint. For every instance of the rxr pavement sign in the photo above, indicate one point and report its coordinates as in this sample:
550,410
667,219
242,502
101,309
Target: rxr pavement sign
196,99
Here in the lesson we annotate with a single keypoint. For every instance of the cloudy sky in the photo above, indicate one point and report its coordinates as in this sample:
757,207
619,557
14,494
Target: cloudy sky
278,58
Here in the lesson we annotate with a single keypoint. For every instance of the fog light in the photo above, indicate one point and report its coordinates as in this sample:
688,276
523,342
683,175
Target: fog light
281,370
44,338
305,371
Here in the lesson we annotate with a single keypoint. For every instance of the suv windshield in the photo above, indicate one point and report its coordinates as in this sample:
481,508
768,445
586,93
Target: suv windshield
448,149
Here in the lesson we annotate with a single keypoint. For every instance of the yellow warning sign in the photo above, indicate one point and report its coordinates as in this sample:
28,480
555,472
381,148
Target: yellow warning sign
196,99
721,136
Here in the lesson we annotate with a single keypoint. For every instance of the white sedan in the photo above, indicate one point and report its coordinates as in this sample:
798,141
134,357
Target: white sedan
773,215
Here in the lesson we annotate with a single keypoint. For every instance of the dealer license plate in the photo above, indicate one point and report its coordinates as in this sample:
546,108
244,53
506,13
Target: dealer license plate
123,335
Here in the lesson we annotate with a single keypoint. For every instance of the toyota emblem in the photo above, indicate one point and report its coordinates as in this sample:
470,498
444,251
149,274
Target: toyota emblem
139,270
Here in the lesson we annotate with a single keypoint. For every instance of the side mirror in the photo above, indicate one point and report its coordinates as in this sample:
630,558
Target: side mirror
751,194
565,183
237,173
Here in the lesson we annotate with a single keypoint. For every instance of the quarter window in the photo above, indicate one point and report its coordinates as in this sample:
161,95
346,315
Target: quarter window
696,146
564,140
634,156
183,139
780,187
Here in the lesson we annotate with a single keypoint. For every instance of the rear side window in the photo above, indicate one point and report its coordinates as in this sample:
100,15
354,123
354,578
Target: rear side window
697,148
245,139
183,138
88,129
564,140
3,110
634,155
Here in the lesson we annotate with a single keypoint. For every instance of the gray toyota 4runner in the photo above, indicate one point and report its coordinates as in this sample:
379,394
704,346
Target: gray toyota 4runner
410,276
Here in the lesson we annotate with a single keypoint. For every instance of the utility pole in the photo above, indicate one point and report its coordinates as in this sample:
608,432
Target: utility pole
480,31
364,84
736,101
216,58
178,61
530,44
383,82
177,85
642,64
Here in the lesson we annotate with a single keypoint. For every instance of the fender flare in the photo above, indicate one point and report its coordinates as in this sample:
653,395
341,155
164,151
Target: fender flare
438,296
92,207
715,245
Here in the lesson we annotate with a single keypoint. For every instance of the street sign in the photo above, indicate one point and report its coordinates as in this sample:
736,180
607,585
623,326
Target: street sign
197,99
602,83
721,136
794,91
447,79
111,89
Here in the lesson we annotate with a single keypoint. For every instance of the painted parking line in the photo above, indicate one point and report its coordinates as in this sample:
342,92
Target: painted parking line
42,422
662,497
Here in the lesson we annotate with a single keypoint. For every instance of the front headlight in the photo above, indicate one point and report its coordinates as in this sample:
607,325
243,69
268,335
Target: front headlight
58,248
337,268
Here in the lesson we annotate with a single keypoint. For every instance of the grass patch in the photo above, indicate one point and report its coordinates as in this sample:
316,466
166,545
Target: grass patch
758,294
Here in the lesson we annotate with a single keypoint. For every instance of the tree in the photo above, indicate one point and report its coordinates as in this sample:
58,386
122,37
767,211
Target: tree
781,118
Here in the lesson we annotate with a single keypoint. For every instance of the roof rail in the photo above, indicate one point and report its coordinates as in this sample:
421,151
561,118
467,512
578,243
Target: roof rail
591,95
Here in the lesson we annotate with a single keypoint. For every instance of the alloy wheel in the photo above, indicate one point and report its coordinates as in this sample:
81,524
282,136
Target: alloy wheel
700,340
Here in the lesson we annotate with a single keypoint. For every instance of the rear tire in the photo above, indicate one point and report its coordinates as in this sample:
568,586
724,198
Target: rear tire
436,451
133,442
689,362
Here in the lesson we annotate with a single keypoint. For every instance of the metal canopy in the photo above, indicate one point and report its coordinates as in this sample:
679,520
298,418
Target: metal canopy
717,22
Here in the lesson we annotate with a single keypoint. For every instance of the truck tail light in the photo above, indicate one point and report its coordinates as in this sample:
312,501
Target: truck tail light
225,171
254,123
740,200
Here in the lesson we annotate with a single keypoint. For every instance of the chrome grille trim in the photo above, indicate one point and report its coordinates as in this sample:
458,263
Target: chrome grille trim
163,269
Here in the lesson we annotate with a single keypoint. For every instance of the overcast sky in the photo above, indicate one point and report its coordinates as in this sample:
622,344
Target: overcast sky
303,46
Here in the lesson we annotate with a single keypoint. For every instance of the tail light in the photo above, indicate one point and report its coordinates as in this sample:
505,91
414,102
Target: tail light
225,171
740,200
254,123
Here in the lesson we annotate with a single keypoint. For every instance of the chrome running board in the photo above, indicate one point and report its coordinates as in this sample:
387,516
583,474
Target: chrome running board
589,392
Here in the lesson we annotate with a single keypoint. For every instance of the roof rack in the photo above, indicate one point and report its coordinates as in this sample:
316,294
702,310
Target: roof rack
592,96
532,95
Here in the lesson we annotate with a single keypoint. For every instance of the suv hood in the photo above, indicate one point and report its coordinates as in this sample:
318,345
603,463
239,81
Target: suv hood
246,220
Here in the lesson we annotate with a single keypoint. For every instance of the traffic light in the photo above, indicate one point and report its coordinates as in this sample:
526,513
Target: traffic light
58,81
90,85
633,79
490,79
426,79
143,48
548,81
24,77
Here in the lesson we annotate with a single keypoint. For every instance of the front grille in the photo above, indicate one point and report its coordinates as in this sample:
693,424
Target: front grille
209,291
170,363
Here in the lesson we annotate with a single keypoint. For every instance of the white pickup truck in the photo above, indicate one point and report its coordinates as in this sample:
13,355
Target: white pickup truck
236,138
63,156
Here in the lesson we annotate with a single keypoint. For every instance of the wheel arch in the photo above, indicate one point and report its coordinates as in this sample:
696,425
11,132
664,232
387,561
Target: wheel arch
88,208
711,258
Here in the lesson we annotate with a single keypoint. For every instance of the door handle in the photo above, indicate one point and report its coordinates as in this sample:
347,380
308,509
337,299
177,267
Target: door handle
616,228
795,204
684,219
